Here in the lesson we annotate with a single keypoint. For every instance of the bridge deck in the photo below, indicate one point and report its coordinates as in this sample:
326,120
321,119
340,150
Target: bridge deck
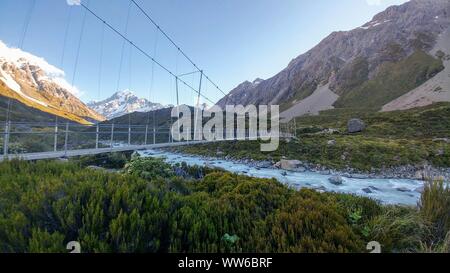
72,153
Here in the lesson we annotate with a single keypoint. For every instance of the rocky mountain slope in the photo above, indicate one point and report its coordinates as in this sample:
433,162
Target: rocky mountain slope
398,39
35,83
122,103
436,89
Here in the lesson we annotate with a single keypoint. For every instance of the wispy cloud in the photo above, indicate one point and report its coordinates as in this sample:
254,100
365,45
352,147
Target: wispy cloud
380,2
73,2
373,2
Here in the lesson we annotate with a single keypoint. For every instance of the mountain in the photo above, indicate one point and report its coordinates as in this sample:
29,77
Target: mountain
366,67
32,81
122,103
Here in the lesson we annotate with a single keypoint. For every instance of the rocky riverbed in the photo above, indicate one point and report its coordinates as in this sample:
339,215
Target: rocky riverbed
388,190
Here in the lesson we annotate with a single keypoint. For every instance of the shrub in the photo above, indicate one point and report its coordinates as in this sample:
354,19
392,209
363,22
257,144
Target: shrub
398,229
435,208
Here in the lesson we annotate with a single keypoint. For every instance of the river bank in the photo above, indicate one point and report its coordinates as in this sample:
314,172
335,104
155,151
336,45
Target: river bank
386,190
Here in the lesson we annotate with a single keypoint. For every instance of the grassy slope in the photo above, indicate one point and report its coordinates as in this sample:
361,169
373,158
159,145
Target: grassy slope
6,92
391,81
391,139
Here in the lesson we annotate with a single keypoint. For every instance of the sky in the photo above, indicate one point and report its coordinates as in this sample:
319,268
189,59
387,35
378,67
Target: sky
231,40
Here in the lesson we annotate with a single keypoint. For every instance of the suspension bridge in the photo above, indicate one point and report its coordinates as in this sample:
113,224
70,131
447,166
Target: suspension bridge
62,138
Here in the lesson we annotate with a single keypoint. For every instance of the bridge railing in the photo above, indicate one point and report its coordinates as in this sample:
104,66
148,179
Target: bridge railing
18,138
22,137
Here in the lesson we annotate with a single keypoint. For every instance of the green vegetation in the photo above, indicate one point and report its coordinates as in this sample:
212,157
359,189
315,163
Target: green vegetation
391,139
147,208
391,81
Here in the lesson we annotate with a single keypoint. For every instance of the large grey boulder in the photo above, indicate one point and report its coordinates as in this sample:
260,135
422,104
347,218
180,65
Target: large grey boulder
289,165
355,125
336,180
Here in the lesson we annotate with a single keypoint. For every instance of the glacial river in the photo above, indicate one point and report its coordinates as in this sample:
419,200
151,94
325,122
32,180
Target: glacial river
388,191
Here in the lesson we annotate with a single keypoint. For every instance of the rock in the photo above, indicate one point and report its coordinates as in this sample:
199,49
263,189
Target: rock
95,168
264,164
300,169
446,140
374,188
420,189
402,189
367,190
290,165
284,173
321,189
336,180
331,142
355,125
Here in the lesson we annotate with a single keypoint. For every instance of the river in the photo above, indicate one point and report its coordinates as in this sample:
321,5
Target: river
388,191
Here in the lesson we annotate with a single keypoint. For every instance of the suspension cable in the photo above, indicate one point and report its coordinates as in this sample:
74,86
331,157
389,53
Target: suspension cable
123,46
66,33
79,46
142,51
27,23
101,61
175,45
150,90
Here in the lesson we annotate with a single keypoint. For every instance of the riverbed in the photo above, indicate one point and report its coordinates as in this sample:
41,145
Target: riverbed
388,191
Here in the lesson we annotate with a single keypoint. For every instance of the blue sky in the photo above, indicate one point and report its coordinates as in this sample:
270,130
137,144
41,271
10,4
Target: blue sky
232,40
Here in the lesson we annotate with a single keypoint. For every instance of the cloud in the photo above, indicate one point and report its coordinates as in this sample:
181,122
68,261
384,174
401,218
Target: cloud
73,2
53,74
382,2
373,2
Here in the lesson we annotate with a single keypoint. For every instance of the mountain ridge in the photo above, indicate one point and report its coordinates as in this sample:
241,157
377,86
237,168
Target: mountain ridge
34,82
391,36
122,103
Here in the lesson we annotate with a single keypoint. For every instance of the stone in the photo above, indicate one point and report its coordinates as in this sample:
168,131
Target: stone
367,190
331,142
290,165
355,125
440,152
446,140
336,180
300,169
402,189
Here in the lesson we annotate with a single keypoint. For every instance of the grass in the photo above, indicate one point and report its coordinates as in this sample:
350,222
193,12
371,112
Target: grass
393,80
391,140
36,109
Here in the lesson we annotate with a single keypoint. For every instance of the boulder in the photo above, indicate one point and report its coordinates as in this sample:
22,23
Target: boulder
355,125
367,190
336,180
402,189
289,165
331,142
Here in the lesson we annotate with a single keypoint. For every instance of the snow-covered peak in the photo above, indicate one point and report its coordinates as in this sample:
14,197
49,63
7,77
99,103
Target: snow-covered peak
21,59
122,103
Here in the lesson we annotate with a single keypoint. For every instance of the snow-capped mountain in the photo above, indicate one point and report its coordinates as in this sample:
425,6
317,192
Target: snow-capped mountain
34,82
122,103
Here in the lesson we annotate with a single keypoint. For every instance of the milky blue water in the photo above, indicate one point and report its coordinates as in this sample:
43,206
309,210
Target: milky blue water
388,191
